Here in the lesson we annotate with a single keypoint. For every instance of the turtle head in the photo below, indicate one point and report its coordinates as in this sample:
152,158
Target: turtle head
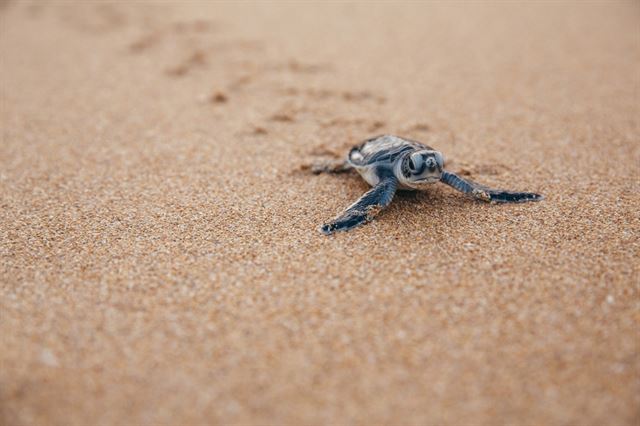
420,168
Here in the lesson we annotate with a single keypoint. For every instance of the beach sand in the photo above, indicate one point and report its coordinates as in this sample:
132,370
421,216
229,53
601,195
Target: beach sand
160,255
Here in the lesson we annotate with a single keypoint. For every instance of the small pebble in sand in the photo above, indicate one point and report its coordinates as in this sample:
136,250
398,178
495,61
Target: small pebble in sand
47,357
219,98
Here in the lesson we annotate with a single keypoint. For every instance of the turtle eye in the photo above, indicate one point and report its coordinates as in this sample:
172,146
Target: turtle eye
431,163
412,165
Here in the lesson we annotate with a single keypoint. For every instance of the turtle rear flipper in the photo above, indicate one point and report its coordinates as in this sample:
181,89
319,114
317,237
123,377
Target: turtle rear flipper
365,209
330,166
480,192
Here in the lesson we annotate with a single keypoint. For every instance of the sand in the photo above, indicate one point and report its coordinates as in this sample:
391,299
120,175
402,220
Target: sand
160,259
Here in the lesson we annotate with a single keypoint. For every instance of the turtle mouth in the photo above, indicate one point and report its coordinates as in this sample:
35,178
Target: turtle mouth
427,180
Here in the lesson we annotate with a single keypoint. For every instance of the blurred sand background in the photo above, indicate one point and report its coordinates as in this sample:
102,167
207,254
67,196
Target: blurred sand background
160,260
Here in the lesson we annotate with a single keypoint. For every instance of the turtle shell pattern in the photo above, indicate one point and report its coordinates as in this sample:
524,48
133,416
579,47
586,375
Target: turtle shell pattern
382,150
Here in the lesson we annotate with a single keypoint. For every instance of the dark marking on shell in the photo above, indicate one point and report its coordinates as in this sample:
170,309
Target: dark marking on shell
383,148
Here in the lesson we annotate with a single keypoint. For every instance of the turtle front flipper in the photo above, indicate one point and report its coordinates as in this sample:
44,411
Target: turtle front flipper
483,193
365,209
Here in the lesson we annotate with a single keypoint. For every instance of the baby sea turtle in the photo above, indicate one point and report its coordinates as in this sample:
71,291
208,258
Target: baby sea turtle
389,163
